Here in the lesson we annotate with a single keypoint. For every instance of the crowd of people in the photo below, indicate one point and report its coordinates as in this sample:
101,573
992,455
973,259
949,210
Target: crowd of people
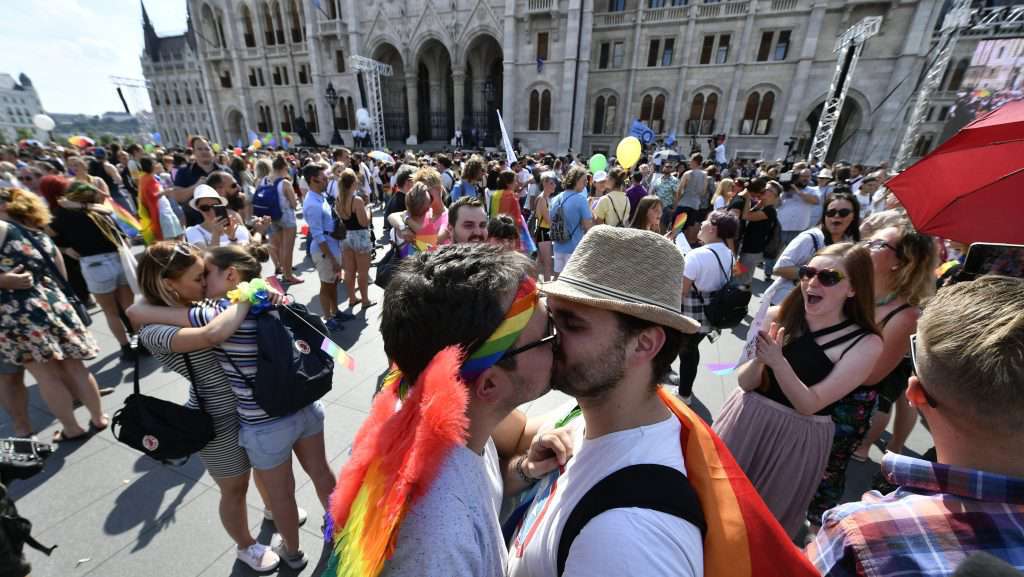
503,280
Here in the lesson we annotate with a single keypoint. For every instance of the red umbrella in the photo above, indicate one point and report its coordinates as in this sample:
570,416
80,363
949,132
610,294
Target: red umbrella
969,189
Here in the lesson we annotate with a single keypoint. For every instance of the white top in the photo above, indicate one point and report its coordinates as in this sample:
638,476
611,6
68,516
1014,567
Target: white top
720,154
702,268
794,212
719,203
619,542
797,253
453,529
201,237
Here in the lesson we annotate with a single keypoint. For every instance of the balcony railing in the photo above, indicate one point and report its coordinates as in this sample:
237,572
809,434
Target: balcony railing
331,27
709,10
667,14
214,54
784,5
539,6
611,19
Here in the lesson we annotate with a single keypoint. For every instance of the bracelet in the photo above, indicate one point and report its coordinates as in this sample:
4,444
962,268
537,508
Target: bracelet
521,473
256,292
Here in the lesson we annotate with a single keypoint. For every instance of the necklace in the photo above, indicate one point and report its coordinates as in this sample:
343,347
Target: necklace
886,300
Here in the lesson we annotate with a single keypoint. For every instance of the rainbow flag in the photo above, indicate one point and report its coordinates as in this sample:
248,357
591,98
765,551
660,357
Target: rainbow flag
680,222
422,243
526,243
721,369
743,538
125,220
945,267
339,354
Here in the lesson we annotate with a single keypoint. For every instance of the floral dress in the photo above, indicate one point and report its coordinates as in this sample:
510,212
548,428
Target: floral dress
37,324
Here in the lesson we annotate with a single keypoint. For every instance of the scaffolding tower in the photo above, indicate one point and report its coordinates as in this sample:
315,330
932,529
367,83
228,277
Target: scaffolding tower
849,47
372,71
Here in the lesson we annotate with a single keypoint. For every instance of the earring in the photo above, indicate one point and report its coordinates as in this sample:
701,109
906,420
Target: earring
893,268
177,296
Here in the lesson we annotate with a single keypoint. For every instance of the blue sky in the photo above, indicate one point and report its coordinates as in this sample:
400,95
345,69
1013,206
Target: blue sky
71,48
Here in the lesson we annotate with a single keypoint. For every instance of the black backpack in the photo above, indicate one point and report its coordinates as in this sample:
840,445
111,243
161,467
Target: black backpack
646,486
15,533
727,306
292,371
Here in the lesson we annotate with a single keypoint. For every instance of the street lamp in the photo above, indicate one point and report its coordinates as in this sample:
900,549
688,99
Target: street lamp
331,95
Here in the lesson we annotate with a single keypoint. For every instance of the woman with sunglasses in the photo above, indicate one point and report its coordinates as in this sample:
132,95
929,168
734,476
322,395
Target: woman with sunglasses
904,263
220,226
839,223
819,346
172,277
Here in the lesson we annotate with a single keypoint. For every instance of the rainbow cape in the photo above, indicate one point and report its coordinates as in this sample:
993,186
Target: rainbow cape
743,538
396,455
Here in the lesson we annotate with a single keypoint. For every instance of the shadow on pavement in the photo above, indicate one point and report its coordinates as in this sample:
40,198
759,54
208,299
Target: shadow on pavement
140,503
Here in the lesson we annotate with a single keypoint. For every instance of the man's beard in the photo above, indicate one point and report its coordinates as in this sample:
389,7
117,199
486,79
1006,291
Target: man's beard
594,376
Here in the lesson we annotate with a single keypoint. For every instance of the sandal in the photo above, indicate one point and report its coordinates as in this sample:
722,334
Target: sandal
294,280
60,437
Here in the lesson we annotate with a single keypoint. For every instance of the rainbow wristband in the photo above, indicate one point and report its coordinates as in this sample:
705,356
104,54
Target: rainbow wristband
256,292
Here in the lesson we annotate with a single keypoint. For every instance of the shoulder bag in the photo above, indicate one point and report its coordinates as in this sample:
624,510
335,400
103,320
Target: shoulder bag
727,306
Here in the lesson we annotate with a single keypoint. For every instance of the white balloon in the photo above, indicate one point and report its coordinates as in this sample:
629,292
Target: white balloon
43,122
363,116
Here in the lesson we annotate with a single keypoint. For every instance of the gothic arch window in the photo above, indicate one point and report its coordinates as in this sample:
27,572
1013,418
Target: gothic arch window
345,117
605,109
297,21
311,120
264,122
757,114
764,114
534,118
545,110
332,10
248,31
646,105
652,112
268,24
211,34
287,117
599,115
702,114
278,22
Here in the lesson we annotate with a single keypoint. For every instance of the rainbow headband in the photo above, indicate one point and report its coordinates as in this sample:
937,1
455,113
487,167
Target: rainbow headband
518,315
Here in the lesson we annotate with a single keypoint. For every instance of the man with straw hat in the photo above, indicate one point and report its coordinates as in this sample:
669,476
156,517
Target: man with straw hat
650,490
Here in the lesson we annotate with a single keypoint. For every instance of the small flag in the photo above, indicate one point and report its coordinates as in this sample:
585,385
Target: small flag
721,369
526,243
125,220
671,138
339,354
506,141
540,66
275,284
680,222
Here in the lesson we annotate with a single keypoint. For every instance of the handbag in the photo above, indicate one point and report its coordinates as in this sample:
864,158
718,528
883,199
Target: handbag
163,430
69,293
386,268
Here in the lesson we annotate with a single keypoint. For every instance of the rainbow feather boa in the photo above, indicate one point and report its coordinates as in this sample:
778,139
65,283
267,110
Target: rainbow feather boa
397,453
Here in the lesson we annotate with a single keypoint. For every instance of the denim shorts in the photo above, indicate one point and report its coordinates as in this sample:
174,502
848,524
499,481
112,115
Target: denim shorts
357,240
103,272
270,444
287,220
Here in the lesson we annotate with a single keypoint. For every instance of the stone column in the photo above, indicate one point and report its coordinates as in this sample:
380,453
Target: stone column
459,88
414,118
324,114
509,90
236,46
627,101
741,63
575,75
584,75
680,93
795,101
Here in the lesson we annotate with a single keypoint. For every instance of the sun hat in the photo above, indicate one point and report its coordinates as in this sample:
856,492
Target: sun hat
635,272
600,176
205,191
825,173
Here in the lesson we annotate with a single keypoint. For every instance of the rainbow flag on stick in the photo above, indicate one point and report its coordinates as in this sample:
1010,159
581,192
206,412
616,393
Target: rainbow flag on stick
339,354
125,220
680,222
526,243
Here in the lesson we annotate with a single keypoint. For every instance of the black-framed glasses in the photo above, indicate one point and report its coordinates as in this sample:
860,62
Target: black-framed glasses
207,207
550,336
913,360
878,244
826,276
838,212
183,248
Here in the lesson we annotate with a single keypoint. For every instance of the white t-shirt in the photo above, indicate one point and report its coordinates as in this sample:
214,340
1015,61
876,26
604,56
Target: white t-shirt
720,154
627,541
866,208
794,212
453,529
201,237
702,268
797,253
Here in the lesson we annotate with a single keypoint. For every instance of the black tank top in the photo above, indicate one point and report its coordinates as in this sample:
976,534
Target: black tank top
809,361
352,222
897,378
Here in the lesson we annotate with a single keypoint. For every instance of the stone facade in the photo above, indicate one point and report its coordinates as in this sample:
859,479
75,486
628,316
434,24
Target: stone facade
565,73
19,102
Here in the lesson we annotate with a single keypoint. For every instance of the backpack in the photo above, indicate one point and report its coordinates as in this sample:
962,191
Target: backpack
15,533
266,201
727,306
622,219
645,486
559,230
292,371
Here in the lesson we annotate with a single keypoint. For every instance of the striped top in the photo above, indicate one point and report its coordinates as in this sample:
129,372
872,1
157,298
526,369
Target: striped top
218,399
243,352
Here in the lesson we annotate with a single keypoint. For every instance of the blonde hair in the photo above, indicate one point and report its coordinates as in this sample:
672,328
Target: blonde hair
720,189
263,168
970,351
914,280
164,260
25,207
879,220
418,199
428,176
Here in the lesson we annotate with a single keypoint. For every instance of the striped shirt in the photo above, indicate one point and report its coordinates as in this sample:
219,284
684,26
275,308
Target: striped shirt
209,377
243,352
939,515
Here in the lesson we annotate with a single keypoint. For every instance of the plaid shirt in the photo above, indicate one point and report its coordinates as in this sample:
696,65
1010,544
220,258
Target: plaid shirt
939,515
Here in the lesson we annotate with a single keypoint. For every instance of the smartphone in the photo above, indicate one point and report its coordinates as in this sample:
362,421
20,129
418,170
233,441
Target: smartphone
994,258
220,212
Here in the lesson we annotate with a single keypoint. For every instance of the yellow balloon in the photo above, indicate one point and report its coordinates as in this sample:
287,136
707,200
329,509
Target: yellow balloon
216,148
256,144
628,152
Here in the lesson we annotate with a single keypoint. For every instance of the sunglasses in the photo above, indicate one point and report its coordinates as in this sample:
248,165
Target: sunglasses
826,276
550,335
913,360
183,248
878,244
207,207
840,212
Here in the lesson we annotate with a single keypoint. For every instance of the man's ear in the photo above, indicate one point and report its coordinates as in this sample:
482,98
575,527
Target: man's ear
915,392
645,346
490,385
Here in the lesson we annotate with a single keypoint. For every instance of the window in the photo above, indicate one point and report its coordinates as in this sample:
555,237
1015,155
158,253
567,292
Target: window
757,115
652,112
199,95
722,55
599,115
276,76
247,30
702,114
931,114
707,49
268,24
346,117
616,5
666,53
298,33
774,46
943,113
303,73
225,79
339,61
287,117
542,45
311,121
188,97
540,110
264,123
652,52
177,97
618,54
602,59
923,144
284,74
957,78
657,3
252,77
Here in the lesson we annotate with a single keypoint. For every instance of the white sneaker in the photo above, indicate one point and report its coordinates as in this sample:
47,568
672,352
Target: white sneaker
296,561
260,558
303,515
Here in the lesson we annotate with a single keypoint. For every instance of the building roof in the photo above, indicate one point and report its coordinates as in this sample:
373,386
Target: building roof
157,47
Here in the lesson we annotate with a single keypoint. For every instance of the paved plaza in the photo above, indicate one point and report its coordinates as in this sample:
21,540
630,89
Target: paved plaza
113,512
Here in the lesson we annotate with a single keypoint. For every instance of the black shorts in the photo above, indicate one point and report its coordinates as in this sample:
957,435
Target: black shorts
542,235
893,385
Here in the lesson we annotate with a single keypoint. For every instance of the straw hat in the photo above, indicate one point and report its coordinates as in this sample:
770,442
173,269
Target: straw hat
635,272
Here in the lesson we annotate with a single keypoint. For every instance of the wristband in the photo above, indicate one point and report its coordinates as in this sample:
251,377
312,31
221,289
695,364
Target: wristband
256,292
521,473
